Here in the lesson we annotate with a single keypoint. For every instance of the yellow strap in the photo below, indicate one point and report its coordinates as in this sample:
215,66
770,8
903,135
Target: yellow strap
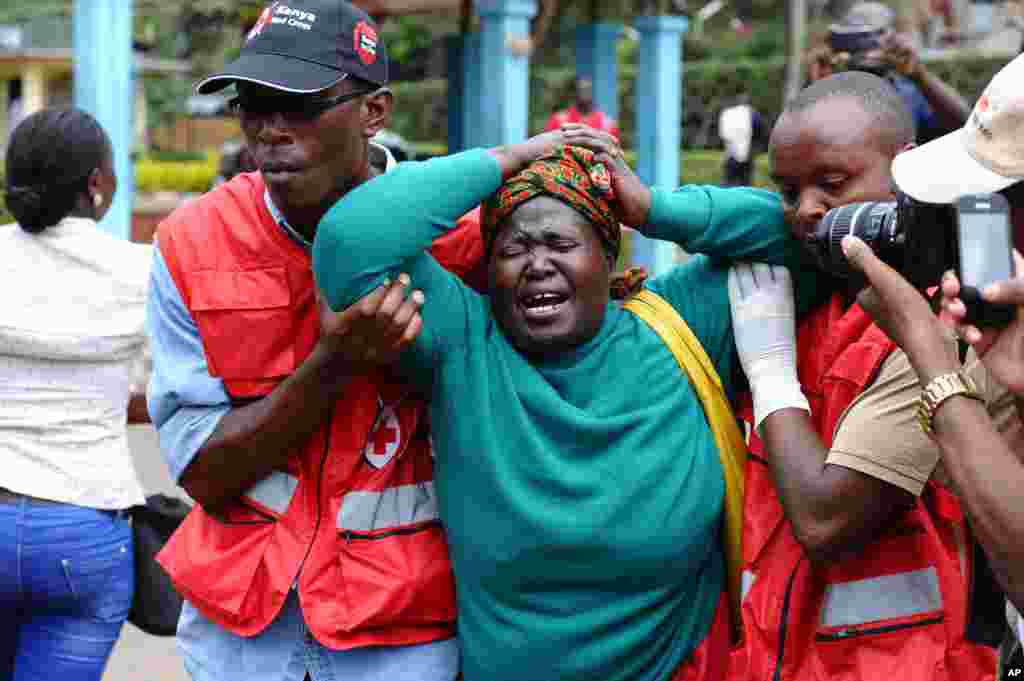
732,450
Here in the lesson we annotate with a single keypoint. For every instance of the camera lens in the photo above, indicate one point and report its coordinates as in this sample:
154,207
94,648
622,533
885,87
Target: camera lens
873,222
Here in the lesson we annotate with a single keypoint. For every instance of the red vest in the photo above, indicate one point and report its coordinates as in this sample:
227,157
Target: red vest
898,610
352,521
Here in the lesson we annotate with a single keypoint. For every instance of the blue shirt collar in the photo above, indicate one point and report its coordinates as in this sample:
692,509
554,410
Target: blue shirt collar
290,231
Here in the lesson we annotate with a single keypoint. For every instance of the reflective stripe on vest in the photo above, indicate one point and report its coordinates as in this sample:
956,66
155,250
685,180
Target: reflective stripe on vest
274,492
881,598
393,507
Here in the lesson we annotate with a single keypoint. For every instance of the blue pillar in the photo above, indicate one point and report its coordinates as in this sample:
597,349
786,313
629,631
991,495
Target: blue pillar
465,92
505,74
597,59
474,94
456,92
104,86
659,96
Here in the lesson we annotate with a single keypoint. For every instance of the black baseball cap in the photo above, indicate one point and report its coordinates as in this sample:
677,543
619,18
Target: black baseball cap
306,46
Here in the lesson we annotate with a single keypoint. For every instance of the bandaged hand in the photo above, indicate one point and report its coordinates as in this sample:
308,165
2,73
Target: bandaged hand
764,324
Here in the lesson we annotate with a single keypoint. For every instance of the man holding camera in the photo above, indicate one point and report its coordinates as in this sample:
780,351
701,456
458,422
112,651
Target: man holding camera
858,564
865,40
986,465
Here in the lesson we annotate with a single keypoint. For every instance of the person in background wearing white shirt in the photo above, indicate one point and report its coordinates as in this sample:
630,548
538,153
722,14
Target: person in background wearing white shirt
738,127
72,318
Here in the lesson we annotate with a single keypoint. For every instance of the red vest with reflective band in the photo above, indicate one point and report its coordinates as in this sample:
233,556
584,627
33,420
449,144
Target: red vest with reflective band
352,521
898,611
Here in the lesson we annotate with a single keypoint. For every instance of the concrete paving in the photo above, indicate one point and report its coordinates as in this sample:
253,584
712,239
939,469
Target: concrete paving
139,656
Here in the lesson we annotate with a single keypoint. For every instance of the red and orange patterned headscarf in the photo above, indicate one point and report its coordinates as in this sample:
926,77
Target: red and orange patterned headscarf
568,174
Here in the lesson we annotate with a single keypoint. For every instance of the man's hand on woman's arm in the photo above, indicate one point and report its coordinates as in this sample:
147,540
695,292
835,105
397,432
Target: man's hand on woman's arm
988,474
374,330
252,441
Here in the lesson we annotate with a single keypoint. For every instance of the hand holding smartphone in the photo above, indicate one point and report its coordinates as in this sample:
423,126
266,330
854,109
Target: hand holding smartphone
984,255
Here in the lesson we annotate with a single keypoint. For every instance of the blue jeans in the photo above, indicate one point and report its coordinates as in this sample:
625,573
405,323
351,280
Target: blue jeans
66,581
286,651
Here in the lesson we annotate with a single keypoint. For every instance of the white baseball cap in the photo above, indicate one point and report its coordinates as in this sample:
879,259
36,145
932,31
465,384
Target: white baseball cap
985,155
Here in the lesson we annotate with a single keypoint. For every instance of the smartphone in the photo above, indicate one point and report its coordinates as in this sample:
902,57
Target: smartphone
984,255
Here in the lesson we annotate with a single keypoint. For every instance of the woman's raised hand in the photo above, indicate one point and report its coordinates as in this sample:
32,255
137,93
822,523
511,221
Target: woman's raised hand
515,157
633,197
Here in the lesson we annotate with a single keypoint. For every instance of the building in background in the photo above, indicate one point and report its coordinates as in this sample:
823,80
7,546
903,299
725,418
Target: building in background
36,64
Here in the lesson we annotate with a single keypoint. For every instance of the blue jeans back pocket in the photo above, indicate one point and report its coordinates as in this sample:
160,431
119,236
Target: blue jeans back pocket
102,580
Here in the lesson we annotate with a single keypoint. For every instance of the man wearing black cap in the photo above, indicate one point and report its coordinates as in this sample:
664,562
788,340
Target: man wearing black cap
315,549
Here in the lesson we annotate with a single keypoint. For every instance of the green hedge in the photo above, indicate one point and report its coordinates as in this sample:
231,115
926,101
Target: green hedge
704,166
421,107
186,176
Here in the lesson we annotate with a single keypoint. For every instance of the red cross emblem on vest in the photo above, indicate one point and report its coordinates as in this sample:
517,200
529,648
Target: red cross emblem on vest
385,440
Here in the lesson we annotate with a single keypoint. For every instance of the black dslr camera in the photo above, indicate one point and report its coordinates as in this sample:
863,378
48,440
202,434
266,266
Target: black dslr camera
854,39
853,48
923,240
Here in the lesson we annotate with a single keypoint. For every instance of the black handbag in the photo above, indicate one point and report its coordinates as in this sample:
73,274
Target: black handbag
156,605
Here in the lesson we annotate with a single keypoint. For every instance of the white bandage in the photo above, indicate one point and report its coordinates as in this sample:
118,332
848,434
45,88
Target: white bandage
764,324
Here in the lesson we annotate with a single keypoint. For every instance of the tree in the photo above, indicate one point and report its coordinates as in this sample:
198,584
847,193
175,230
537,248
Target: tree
796,36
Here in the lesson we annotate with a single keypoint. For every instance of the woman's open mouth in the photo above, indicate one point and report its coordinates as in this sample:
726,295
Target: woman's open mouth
543,306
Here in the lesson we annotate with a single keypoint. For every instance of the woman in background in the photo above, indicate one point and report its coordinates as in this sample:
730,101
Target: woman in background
71,327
